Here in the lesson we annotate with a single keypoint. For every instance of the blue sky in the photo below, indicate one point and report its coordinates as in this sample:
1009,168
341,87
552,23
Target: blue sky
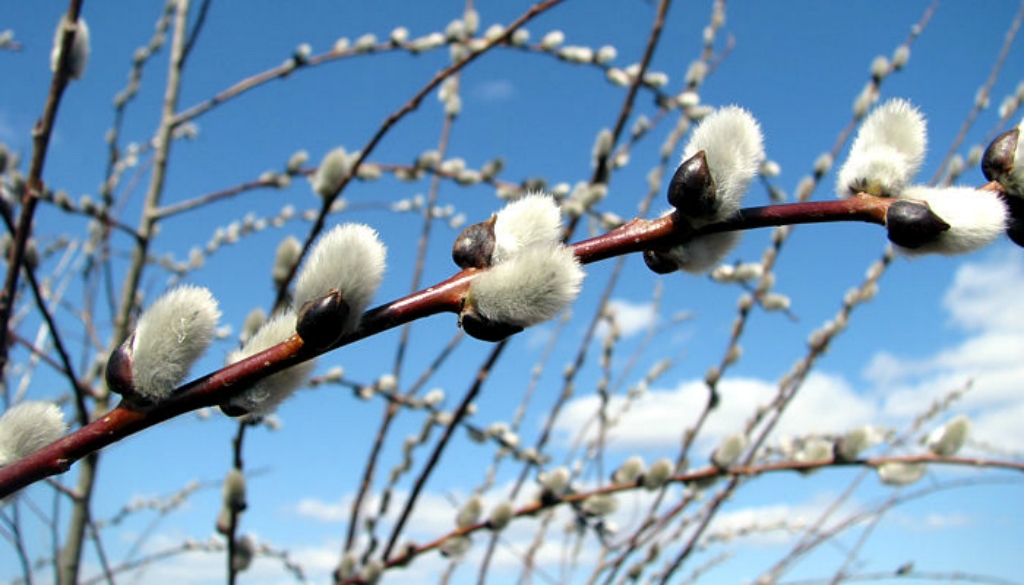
798,66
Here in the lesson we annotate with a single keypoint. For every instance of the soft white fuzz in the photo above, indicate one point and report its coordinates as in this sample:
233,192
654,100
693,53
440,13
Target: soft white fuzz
947,440
729,451
659,474
976,218
349,259
469,513
703,253
533,219
734,148
27,427
333,169
901,474
887,152
263,397
501,516
287,255
79,48
534,286
170,336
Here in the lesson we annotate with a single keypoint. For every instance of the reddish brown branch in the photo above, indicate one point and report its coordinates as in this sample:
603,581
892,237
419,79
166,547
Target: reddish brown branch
447,296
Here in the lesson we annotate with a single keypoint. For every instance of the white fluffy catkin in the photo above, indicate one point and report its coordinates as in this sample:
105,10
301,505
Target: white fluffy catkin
333,169
887,151
976,218
263,397
734,148
27,427
79,55
532,287
703,253
947,440
350,259
169,337
533,219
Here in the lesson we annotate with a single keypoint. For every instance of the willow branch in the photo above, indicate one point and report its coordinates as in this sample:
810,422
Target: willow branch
445,297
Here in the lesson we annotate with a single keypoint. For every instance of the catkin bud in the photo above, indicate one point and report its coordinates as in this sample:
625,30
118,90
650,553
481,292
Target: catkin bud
169,337
946,440
729,451
629,472
886,153
658,474
333,169
79,54
284,260
949,220
234,490
501,516
901,474
469,513
264,396
27,427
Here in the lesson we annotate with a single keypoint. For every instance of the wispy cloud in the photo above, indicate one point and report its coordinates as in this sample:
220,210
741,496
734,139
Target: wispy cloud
984,301
658,419
631,318
495,90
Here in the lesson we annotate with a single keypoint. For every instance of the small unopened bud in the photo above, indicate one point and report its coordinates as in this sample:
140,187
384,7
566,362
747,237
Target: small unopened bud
264,396
531,287
605,54
455,547
364,43
946,440
284,260
658,474
879,68
729,451
534,219
958,220
552,40
886,153
501,516
775,302
475,245
469,513
901,474
296,162
348,259
1001,158
850,445
333,169
733,148
170,336
245,550
600,505
900,57
234,491
79,54
322,321
555,482
692,188
629,472
253,321
912,224
27,427
372,572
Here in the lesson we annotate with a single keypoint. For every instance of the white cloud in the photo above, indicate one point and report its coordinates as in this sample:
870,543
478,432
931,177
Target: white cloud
631,318
659,418
983,300
495,90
